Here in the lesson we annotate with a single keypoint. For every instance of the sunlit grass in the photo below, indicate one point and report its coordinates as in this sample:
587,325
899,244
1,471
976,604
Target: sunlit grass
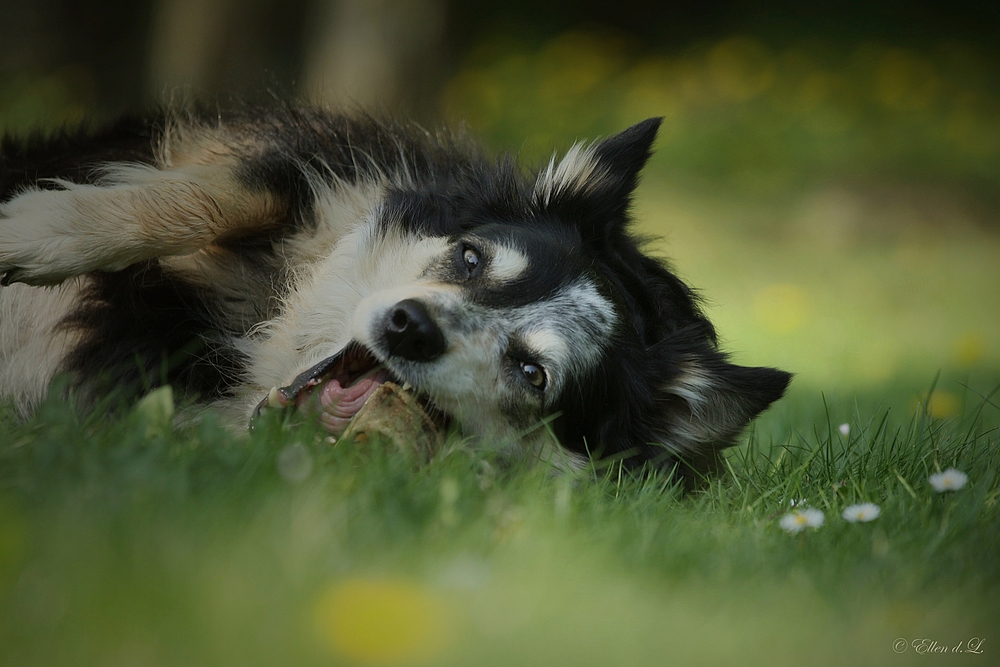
123,541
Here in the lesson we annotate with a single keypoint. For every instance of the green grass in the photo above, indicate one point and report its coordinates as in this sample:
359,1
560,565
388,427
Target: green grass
127,542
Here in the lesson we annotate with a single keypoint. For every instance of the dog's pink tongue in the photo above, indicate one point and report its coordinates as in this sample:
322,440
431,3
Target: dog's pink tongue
339,404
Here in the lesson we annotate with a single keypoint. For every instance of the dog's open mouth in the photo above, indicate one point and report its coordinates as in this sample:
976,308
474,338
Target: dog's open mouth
337,387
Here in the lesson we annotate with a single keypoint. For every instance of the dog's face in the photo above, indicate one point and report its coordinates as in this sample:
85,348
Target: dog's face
501,323
526,298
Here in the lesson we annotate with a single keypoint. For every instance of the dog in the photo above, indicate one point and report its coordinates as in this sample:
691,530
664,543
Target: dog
298,257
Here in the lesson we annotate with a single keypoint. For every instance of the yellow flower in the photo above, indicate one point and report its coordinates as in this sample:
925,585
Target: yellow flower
384,621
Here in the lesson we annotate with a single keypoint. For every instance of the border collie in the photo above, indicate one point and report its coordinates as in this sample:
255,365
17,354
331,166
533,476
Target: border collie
297,257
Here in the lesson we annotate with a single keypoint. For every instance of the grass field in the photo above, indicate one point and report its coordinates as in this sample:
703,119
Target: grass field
134,544
130,542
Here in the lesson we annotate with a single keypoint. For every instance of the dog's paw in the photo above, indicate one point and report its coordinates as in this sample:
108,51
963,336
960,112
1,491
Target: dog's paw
47,236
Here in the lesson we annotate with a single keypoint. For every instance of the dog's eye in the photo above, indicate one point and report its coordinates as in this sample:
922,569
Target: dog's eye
471,258
533,374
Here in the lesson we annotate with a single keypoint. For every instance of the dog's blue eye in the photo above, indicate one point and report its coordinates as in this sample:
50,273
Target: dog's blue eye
533,374
471,258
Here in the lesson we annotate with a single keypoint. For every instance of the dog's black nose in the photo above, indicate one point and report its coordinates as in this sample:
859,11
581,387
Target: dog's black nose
411,333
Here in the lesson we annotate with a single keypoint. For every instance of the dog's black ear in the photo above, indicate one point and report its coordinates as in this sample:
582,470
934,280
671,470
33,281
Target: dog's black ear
624,155
593,185
710,401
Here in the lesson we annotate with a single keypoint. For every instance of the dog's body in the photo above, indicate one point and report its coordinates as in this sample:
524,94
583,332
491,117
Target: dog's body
229,254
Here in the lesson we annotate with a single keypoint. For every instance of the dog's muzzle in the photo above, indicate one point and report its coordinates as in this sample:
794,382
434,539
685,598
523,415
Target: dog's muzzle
411,333
340,384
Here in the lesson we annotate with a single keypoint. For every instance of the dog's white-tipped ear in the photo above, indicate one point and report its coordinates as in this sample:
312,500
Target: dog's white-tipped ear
602,175
592,185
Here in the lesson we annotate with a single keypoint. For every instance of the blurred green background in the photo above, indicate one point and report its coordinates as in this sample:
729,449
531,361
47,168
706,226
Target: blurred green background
829,177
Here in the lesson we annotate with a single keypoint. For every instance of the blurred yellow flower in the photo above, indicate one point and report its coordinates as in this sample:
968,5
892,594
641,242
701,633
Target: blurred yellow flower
905,80
384,621
943,404
780,308
970,348
740,68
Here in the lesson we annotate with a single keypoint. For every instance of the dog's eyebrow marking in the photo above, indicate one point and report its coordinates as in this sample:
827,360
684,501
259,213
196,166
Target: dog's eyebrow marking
585,320
507,264
547,343
578,172
587,303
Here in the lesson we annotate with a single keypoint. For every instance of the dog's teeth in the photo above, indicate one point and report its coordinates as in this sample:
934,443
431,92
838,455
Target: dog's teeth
274,398
407,386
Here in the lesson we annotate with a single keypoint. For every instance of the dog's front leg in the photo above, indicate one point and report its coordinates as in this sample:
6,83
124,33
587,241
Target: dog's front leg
135,212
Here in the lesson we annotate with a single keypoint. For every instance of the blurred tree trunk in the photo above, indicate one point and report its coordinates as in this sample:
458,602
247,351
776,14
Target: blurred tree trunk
376,53
247,48
187,45
373,53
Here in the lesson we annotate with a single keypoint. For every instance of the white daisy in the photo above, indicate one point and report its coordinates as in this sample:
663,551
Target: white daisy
862,512
949,480
799,520
845,429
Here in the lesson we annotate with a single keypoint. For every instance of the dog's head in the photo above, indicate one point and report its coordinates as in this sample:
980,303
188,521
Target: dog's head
528,298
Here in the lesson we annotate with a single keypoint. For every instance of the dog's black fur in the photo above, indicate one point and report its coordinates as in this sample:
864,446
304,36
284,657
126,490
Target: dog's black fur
633,404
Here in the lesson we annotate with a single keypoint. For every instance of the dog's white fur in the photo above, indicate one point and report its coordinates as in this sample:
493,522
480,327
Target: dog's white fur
32,346
137,212
577,172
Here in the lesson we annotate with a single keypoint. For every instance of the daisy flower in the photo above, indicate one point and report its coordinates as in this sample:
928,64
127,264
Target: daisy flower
799,520
862,512
949,480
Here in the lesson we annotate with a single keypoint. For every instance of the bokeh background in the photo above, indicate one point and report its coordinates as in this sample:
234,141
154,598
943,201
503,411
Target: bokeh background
829,177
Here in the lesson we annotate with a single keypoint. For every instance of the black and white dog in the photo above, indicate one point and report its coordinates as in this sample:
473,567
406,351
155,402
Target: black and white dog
321,253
